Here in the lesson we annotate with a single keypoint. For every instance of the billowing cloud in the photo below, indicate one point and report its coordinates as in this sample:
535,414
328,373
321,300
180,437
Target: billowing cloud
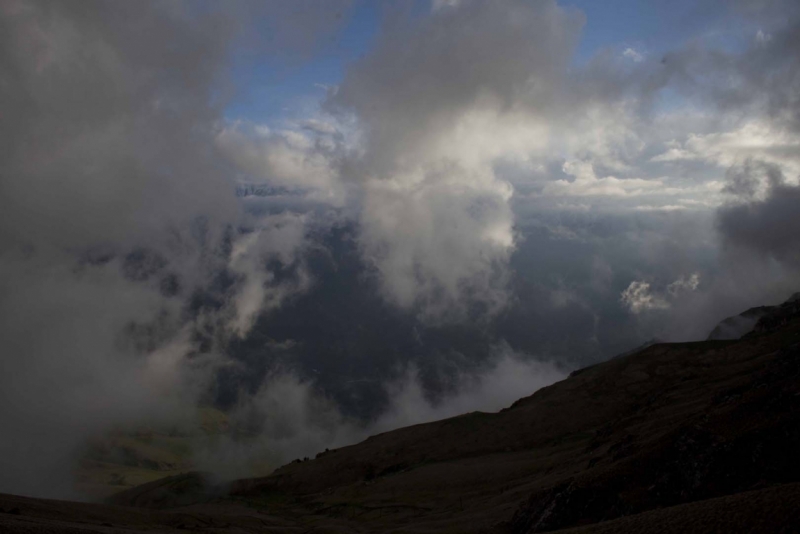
440,240
439,101
639,298
116,221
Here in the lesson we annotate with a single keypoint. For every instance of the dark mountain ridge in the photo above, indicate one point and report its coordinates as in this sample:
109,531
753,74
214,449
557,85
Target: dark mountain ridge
736,326
682,437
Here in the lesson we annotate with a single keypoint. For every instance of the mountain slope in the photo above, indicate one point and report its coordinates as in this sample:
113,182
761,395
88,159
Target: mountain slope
736,326
674,423
672,438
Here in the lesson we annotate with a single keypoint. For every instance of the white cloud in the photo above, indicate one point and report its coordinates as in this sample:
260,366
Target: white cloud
664,207
684,283
319,126
438,103
287,158
436,237
587,184
633,54
280,237
638,298
758,139
763,38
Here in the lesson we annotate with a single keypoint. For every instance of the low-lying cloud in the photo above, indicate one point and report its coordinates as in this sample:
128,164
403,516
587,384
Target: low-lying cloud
287,419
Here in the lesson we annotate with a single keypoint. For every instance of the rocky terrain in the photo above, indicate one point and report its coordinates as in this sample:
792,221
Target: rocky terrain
682,437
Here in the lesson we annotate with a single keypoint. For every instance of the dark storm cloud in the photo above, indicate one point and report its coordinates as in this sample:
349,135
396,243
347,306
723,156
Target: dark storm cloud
768,226
762,79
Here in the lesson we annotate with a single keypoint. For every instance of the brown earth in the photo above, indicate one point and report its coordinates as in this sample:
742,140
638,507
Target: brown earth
684,437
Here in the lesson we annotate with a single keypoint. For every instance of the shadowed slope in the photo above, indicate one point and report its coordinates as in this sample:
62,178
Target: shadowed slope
671,424
672,438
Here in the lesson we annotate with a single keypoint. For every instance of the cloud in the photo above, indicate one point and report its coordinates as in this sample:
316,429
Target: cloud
287,418
688,283
586,183
665,207
508,378
97,152
763,38
129,264
758,138
638,298
763,224
284,420
480,103
440,241
633,54
426,77
438,101
302,161
69,373
278,238
757,82
117,219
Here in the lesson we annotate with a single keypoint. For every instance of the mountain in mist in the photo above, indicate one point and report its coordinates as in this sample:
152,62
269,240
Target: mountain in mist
127,458
676,437
737,326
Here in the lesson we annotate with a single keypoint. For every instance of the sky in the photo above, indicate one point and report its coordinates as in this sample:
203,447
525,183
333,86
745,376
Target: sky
271,90
330,219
